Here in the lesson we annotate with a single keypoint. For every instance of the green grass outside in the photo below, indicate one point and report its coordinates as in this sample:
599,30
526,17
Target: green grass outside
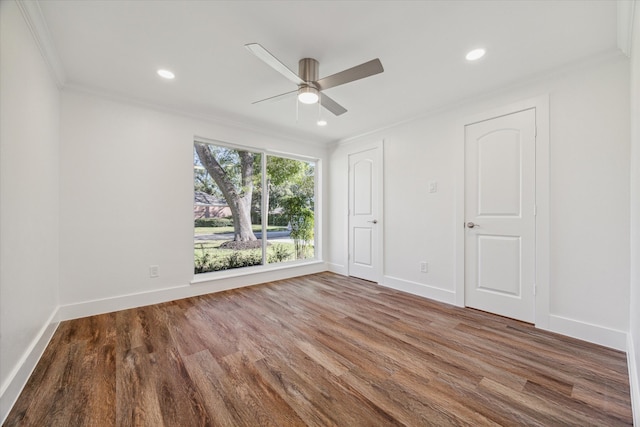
199,231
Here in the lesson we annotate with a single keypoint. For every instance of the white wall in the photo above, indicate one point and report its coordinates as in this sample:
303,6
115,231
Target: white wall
29,117
589,197
634,343
126,202
589,151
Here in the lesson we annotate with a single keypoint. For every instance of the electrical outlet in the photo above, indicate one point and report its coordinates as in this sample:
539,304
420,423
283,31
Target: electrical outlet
433,186
153,271
424,267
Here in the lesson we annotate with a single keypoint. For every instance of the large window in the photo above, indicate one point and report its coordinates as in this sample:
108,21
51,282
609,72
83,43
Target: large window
250,208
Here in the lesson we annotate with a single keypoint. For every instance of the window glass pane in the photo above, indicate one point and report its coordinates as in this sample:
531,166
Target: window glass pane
227,225
290,185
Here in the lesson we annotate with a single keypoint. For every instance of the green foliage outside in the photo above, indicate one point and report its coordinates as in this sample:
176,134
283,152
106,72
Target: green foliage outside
213,222
278,220
209,258
300,218
285,178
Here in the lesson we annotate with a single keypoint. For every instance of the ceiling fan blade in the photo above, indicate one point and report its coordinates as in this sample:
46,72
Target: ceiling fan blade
331,105
273,62
355,73
276,97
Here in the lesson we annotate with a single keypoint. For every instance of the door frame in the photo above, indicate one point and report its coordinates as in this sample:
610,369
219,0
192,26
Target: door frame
541,106
379,147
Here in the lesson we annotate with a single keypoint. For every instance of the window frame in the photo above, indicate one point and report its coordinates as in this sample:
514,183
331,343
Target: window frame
264,152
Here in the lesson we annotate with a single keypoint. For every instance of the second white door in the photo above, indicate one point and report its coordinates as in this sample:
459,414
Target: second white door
364,220
500,215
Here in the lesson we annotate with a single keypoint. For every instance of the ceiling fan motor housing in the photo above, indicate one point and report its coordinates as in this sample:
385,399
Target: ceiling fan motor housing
308,69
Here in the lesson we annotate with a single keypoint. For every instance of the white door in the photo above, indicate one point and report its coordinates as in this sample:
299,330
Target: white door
500,215
364,222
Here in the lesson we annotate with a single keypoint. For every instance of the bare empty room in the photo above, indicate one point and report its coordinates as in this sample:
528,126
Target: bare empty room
319,213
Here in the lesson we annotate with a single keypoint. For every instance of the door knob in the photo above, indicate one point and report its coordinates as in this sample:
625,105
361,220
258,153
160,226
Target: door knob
375,221
472,225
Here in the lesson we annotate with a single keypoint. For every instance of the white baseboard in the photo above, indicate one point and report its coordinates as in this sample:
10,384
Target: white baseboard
596,334
203,285
634,380
420,289
13,385
338,269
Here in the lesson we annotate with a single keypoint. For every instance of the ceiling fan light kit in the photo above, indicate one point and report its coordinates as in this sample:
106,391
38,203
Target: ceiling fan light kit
309,86
308,95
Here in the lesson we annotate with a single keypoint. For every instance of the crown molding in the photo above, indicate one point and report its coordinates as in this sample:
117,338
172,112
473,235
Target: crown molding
37,25
625,25
609,56
219,120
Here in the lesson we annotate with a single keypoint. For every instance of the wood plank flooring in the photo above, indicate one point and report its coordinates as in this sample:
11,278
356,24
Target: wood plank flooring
320,350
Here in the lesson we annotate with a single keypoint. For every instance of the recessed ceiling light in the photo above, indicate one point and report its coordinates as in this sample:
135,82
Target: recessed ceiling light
166,74
475,54
322,122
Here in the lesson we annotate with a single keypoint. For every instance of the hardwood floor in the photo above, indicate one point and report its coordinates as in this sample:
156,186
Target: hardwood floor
321,350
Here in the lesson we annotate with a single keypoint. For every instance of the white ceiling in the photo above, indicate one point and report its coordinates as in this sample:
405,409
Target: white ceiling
115,47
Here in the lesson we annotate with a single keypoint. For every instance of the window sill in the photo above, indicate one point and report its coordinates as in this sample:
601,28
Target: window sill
251,271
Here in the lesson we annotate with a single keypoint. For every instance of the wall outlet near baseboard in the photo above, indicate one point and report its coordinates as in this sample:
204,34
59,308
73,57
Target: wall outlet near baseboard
424,267
154,271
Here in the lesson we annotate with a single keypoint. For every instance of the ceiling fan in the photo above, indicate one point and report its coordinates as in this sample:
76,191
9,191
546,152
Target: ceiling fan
309,86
